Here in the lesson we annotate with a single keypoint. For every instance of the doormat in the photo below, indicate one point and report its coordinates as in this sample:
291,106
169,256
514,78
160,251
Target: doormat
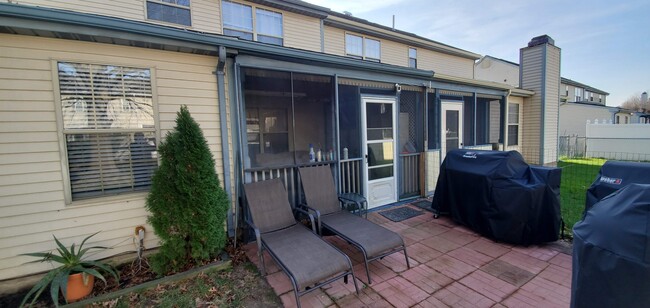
400,214
423,204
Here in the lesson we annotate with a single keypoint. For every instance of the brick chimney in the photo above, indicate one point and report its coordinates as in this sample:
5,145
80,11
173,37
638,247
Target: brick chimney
540,72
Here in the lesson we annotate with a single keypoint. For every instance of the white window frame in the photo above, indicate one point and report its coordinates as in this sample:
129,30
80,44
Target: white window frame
518,124
363,55
254,31
62,132
160,2
578,94
414,59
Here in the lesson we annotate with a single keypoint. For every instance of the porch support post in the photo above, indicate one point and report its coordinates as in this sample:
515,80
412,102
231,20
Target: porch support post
223,121
337,146
503,125
474,126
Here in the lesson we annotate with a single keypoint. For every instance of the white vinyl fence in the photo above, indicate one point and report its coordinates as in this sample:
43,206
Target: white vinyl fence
618,141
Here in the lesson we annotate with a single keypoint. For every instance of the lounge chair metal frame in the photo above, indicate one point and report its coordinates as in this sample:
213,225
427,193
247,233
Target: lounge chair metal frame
261,246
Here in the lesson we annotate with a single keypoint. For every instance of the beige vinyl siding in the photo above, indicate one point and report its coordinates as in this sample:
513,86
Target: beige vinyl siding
551,108
531,79
301,31
32,205
445,64
334,41
206,16
394,53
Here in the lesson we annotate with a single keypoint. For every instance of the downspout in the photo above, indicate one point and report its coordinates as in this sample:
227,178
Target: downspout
223,121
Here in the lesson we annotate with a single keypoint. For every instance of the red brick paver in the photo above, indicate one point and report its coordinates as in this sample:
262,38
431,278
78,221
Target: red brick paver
451,266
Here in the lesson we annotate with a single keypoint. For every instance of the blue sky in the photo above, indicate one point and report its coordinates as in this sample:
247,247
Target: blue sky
605,44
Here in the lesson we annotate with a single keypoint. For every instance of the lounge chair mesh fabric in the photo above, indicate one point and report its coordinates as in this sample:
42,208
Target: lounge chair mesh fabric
306,256
318,184
374,238
269,205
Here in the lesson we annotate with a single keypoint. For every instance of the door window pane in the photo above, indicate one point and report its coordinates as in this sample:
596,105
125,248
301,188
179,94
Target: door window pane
379,121
380,172
451,130
380,153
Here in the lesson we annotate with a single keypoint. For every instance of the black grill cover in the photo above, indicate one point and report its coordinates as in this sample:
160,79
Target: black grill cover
611,251
500,196
613,176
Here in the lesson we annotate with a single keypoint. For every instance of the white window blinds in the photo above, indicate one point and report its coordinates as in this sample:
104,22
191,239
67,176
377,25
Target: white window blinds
109,128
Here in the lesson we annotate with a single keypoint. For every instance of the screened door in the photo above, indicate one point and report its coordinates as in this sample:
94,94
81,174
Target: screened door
452,127
378,117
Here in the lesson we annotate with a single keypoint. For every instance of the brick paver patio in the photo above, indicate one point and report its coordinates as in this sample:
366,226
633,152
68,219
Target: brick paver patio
450,266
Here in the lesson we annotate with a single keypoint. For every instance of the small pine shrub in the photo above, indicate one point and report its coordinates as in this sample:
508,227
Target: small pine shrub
186,202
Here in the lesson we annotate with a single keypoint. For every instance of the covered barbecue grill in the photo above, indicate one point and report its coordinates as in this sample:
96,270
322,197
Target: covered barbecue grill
498,195
611,251
615,175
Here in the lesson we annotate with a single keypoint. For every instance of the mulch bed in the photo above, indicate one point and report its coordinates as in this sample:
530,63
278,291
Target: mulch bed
131,274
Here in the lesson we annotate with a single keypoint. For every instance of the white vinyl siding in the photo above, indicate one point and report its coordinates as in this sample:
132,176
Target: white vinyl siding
32,145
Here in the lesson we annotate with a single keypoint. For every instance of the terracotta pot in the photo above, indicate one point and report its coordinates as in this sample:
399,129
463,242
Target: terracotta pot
76,288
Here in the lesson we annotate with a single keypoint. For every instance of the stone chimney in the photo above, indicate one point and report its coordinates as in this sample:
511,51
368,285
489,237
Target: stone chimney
540,72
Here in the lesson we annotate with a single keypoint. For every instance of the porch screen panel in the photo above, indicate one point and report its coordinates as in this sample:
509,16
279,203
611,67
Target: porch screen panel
109,128
349,121
409,121
314,116
433,122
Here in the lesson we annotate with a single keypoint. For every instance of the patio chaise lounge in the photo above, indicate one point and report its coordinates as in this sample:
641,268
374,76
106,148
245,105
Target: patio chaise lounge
308,260
374,241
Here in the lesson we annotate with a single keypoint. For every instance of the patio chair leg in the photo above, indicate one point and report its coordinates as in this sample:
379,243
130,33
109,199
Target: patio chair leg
295,292
354,279
365,259
408,265
261,253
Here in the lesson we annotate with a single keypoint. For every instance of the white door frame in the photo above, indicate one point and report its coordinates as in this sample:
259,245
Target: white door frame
450,106
381,191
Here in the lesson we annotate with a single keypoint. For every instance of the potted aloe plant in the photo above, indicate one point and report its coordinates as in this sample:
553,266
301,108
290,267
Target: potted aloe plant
74,277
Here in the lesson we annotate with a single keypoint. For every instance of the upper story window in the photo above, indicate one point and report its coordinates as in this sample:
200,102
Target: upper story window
591,96
172,11
578,94
238,21
413,57
362,47
108,129
600,98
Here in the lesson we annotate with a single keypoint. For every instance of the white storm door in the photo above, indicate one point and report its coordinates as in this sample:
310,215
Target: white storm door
379,151
452,127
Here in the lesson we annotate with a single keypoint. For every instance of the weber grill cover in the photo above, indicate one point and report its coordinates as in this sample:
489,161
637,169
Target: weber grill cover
611,251
500,196
614,175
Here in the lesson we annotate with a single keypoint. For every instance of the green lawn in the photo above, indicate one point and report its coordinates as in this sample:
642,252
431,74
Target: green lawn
577,176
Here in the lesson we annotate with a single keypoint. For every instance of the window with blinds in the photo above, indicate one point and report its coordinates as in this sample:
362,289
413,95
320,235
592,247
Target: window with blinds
109,128
172,11
238,21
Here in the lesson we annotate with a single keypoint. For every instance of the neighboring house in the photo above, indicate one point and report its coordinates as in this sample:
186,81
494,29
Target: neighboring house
90,88
579,102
